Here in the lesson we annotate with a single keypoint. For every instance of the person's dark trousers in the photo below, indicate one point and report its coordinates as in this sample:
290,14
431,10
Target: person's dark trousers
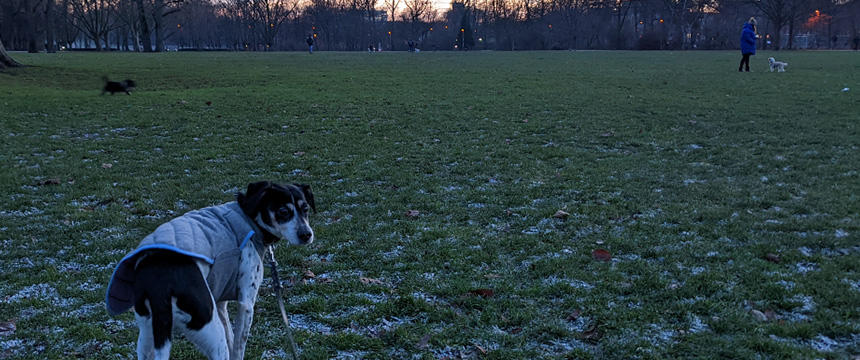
745,60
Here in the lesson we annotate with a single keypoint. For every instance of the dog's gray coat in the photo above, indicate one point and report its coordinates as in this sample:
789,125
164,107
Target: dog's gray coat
215,234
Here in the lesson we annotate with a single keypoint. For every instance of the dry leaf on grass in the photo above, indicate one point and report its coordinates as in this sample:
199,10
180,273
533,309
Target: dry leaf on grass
51,181
366,280
7,328
758,315
770,315
107,165
774,258
601,255
484,293
412,213
592,334
481,349
423,342
574,315
308,274
561,214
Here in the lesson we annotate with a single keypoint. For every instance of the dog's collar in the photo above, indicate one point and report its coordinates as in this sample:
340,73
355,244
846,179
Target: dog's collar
260,234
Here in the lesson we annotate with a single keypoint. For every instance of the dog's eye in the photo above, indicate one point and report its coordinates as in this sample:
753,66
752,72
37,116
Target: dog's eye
284,213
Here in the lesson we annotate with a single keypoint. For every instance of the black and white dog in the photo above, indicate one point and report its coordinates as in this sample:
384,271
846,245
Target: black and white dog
184,273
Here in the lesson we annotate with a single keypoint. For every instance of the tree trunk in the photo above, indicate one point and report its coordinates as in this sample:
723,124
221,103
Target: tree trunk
145,35
30,26
157,20
50,27
5,59
777,36
791,34
135,40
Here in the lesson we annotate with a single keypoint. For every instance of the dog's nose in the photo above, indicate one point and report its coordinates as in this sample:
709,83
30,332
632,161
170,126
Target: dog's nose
305,236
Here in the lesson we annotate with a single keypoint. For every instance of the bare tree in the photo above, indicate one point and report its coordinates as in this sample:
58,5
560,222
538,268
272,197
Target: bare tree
686,15
50,26
5,59
29,15
129,19
368,7
94,18
414,13
781,13
391,7
160,10
270,16
620,9
569,12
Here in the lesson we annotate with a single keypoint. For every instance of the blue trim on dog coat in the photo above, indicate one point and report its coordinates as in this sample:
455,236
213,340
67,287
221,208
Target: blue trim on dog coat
215,235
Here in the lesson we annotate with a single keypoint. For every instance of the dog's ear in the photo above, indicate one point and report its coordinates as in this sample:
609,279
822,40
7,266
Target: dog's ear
309,195
252,200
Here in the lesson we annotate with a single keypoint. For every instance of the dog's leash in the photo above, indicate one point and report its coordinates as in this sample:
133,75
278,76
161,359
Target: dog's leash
273,264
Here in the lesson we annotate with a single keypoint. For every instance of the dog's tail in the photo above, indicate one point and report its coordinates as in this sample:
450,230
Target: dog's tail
162,276
160,307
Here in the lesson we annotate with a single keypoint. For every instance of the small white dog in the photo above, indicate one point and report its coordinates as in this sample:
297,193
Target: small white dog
779,65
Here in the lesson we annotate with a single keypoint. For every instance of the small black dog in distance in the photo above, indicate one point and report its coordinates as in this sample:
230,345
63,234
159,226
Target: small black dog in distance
114,87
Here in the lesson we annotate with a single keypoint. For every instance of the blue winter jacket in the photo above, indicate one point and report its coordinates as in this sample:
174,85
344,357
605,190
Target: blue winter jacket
748,39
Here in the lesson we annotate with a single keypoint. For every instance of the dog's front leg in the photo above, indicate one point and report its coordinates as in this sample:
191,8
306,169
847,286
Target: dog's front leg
242,329
224,316
250,277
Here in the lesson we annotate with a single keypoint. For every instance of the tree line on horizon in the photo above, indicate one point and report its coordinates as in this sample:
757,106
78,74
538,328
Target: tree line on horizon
362,25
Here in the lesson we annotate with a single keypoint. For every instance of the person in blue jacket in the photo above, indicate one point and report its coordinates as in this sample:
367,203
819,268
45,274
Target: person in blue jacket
748,39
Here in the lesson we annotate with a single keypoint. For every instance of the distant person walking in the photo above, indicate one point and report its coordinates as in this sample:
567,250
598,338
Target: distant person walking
310,41
747,44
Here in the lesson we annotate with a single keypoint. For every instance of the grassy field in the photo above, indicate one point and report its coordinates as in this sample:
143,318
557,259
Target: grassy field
727,202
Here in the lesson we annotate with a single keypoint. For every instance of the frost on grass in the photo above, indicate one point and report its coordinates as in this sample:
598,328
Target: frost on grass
697,325
801,312
853,284
430,299
276,354
350,355
16,347
821,342
576,284
385,325
43,292
31,211
373,298
805,267
347,312
304,322
558,347
85,311
545,226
